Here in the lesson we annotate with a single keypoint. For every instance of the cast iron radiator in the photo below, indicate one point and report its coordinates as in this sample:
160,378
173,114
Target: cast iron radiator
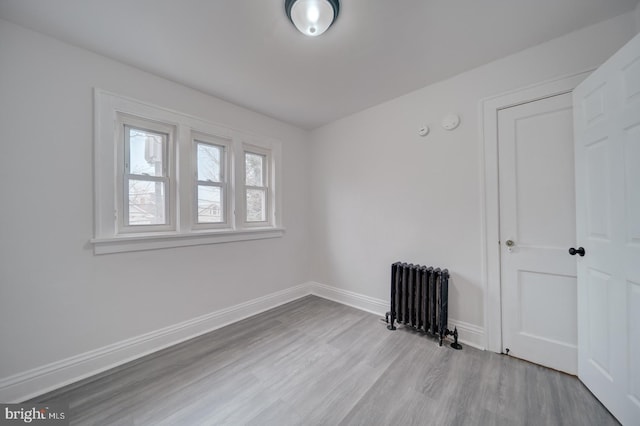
419,299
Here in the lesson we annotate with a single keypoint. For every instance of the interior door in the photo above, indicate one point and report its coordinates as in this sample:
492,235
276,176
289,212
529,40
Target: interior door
607,129
537,226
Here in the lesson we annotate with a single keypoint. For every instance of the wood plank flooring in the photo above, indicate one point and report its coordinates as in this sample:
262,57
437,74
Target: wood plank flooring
317,362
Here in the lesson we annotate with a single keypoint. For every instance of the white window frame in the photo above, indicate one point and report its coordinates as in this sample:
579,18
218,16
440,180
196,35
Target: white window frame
110,233
266,180
127,121
227,166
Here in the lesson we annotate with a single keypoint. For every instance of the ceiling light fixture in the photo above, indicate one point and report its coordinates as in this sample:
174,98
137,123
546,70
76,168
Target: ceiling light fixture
312,17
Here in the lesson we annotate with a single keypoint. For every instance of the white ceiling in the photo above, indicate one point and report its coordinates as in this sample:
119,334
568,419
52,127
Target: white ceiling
247,52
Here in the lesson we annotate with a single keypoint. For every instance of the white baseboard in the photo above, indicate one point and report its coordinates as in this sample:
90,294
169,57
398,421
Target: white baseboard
469,334
34,382
349,298
31,383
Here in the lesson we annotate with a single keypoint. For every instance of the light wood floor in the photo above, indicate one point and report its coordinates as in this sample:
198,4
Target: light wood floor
314,362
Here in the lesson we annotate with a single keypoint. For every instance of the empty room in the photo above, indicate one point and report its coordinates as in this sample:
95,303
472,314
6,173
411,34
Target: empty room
320,212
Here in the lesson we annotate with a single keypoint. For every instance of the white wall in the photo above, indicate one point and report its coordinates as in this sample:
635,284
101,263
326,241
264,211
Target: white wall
56,298
381,193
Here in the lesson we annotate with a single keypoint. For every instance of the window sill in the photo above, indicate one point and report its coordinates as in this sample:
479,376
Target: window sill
133,242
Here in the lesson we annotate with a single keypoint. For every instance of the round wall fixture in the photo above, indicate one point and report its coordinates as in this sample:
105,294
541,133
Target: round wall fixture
450,122
312,17
423,131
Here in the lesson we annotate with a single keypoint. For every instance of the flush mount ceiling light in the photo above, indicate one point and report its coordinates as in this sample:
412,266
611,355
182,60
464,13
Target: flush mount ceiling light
312,17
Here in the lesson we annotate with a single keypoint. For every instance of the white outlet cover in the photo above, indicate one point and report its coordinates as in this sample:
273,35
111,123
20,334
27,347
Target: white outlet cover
423,131
450,122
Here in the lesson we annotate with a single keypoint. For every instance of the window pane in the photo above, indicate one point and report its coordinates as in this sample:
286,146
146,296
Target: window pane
210,209
256,206
146,152
209,157
146,203
254,166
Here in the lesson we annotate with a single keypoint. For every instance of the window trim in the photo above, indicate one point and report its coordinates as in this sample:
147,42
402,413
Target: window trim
109,236
125,121
266,187
227,167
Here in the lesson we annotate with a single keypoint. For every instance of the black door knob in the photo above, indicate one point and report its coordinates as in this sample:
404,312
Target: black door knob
580,251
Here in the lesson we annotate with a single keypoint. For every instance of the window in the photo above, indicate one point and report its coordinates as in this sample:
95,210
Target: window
179,180
145,180
256,190
211,176
145,177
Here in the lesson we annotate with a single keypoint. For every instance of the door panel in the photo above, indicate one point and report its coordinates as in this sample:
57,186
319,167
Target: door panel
534,290
598,300
607,158
633,290
537,212
599,220
632,170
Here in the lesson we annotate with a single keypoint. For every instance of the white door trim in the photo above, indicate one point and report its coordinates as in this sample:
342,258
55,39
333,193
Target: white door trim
489,188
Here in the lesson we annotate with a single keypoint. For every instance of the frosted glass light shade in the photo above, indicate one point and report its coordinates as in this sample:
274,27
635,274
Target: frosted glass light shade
312,17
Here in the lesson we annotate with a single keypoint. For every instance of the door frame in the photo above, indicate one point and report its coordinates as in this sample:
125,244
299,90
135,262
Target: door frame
489,189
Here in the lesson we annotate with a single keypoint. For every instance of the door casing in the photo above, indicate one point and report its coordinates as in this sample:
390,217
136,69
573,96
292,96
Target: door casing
489,187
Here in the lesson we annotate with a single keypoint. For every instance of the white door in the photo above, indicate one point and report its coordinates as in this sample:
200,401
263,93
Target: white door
537,227
607,129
